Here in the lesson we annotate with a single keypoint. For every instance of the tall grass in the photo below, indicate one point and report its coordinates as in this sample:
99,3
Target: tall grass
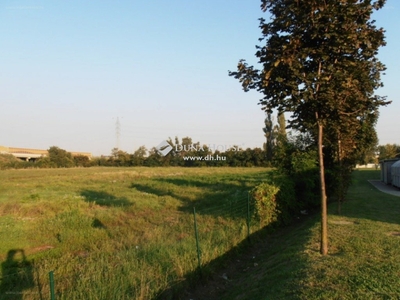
115,233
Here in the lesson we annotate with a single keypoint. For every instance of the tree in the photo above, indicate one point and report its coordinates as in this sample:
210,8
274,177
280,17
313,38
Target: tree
81,161
274,133
120,158
389,151
319,63
139,156
282,125
348,146
154,159
60,157
269,136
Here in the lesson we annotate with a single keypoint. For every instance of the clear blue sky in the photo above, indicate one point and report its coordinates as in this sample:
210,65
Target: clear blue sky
70,68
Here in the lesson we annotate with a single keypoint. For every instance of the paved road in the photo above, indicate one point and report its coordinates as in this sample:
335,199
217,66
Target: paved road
388,189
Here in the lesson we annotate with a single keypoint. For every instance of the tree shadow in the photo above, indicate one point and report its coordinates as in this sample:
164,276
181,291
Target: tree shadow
217,198
371,203
104,199
252,258
214,194
17,276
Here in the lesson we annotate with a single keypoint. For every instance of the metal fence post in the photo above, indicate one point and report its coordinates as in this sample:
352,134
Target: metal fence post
248,216
52,293
197,238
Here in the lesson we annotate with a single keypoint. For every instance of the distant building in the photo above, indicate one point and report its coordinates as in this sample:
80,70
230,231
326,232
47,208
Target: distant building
367,166
33,154
386,169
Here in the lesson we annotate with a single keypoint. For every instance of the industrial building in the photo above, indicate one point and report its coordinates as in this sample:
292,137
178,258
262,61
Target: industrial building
33,154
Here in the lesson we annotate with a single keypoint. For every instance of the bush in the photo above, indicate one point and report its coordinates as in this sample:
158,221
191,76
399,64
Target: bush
305,174
288,202
299,160
265,203
45,162
81,161
9,161
6,160
275,201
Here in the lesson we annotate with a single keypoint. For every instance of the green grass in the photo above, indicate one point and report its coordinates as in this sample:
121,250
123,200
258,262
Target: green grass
116,233
363,260
127,233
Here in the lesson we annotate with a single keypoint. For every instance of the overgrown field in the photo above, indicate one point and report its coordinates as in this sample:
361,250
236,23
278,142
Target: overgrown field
116,233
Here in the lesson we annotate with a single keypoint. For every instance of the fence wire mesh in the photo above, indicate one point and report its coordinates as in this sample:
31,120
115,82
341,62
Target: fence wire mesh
141,269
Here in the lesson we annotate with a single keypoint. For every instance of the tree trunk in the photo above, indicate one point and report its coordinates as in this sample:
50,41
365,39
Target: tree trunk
340,177
324,209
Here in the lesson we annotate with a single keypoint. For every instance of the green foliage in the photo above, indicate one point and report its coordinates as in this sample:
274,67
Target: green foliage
9,161
289,203
319,62
296,158
139,156
275,201
389,151
269,134
60,157
100,161
265,203
306,177
189,154
81,161
45,162
274,134
120,158
154,159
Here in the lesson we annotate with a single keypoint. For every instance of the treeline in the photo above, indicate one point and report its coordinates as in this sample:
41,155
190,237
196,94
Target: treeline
183,154
388,151
281,150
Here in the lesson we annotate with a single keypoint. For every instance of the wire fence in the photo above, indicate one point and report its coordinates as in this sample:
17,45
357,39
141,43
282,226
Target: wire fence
235,222
212,230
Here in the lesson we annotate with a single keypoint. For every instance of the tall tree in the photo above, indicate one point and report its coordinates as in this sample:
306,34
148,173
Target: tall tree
282,125
319,63
269,136
274,133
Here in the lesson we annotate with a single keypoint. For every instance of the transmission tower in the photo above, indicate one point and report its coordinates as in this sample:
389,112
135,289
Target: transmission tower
117,132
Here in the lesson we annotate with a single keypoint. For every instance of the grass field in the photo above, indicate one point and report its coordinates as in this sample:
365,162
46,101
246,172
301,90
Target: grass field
127,233
116,233
363,261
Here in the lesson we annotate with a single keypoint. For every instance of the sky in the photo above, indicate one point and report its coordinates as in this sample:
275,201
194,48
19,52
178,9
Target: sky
70,71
